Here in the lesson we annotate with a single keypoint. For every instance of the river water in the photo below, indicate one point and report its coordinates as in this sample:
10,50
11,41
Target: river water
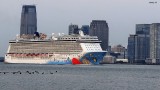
79,77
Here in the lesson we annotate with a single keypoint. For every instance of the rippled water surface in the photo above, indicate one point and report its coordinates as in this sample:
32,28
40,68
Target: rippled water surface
79,77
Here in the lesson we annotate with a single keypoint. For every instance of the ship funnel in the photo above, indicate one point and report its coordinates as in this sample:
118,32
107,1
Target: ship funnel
81,33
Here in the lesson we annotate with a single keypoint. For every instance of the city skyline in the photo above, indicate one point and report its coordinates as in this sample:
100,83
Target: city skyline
55,16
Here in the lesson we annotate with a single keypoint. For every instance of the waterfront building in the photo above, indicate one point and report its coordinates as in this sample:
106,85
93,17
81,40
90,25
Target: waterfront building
141,48
139,44
119,49
100,29
73,29
131,48
108,59
28,20
154,44
142,43
138,48
85,29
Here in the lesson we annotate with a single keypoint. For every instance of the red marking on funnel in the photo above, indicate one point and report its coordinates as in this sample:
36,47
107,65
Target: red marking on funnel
75,61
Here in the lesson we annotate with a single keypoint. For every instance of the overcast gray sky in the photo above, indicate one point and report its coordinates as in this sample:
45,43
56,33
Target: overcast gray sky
56,15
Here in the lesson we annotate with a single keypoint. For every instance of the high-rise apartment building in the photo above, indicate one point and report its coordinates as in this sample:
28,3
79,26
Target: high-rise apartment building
73,29
142,43
143,29
100,29
155,43
131,48
138,44
141,48
28,20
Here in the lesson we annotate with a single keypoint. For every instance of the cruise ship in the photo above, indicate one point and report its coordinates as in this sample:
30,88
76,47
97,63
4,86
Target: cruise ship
57,49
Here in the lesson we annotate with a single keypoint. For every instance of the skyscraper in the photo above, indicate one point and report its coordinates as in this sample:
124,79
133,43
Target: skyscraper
100,29
142,43
155,43
131,48
85,29
73,29
28,20
138,44
141,48
143,29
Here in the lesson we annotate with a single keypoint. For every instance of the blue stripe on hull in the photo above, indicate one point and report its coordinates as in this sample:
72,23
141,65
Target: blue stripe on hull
60,62
93,58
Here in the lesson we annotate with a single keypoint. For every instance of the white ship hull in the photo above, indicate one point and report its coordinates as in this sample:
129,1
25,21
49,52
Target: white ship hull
87,58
